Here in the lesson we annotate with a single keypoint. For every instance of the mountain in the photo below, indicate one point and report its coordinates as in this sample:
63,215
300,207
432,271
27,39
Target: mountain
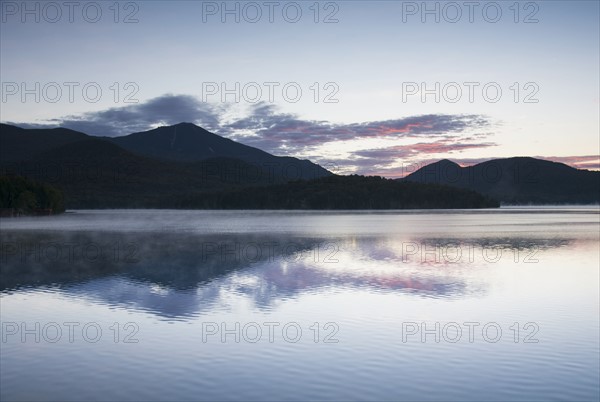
186,142
23,144
95,173
184,166
518,180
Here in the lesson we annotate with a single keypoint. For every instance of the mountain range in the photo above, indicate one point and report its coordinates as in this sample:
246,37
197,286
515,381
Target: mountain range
142,169
183,142
518,180
186,142
185,166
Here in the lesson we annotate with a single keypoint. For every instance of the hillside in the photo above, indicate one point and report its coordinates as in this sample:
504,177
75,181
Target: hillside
518,180
23,144
342,192
94,173
184,166
186,142
22,196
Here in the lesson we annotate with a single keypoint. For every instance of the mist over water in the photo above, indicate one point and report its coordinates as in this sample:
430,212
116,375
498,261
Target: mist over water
296,305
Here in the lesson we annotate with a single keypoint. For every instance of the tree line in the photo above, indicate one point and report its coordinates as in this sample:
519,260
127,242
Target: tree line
23,196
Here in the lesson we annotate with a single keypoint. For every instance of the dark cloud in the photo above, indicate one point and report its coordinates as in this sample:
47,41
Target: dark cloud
279,133
164,110
266,128
274,131
287,134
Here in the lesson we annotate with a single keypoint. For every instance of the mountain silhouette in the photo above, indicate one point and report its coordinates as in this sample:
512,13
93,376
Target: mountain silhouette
518,180
185,166
96,173
186,142
22,144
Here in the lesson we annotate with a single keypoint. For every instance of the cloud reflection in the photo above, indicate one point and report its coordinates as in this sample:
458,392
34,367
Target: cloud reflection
179,275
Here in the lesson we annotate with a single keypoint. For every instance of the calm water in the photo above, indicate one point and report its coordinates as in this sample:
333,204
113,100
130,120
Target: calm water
189,305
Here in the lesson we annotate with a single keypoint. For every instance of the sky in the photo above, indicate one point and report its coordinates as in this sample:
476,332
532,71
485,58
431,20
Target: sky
377,87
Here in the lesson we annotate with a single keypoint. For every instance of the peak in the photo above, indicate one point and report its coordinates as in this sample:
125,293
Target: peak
183,128
188,127
447,162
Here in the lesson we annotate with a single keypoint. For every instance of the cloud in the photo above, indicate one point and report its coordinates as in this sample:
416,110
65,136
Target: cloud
399,160
163,110
264,127
591,162
274,131
422,148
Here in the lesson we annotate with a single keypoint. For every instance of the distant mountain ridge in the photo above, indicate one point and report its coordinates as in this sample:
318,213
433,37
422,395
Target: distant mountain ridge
183,142
186,166
517,180
95,172
23,144
186,142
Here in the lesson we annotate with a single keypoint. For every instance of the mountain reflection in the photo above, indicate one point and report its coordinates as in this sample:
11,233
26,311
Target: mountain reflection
178,275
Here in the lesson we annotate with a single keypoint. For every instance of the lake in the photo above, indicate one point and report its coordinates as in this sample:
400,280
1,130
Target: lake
294,305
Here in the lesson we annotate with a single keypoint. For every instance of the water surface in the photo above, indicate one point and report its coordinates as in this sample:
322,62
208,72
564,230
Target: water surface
288,305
